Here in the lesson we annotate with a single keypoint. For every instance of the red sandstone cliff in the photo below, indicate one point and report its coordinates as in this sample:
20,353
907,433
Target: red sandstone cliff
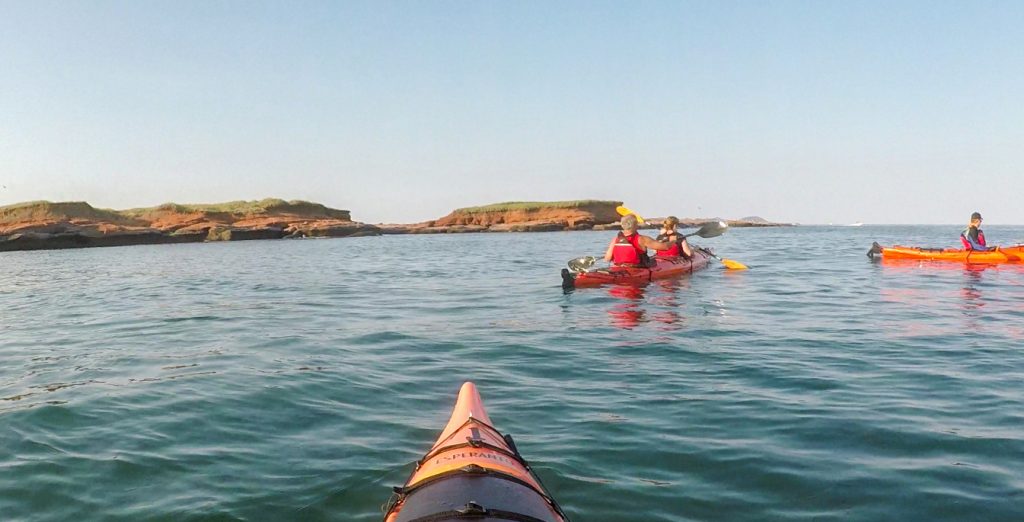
45,225
573,215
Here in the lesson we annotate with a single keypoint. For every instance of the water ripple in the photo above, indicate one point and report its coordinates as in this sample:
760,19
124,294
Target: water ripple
298,380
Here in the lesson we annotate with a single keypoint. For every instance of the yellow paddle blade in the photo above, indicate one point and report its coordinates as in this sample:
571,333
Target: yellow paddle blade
734,265
625,211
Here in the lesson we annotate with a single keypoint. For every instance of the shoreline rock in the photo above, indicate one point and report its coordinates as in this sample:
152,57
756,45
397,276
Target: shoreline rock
44,225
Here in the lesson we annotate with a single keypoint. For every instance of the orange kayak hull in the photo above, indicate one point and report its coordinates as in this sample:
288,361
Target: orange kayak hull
472,469
1013,254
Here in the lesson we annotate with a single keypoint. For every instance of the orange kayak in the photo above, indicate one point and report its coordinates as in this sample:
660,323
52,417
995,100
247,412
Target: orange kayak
664,267
472,472
1012,254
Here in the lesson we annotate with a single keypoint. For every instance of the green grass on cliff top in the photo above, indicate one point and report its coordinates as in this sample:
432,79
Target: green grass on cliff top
46,210
535,205
263,206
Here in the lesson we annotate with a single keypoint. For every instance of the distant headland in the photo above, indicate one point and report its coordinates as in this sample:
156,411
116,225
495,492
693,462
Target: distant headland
43,225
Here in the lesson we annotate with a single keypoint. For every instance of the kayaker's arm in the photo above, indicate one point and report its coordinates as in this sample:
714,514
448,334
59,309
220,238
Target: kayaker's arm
654,245
972,240
608,253
686,247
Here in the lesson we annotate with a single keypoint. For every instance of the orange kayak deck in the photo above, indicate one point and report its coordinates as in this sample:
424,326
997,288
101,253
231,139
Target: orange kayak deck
1011,254
472,471
663,268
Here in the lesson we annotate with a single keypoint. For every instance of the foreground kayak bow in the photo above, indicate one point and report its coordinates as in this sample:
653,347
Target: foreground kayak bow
473,472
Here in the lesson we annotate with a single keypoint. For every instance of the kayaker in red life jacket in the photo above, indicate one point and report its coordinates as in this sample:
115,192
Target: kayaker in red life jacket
973,238
669,235
629,248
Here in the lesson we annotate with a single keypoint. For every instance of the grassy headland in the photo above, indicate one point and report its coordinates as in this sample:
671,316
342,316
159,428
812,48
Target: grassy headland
268,206
510,206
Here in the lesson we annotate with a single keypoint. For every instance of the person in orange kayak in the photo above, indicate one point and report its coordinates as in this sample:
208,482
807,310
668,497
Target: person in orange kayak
629,248
972,237
679,248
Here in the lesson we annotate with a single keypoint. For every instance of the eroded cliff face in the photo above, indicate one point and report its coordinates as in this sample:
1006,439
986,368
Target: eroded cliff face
45,217
558,216
273,213
45,225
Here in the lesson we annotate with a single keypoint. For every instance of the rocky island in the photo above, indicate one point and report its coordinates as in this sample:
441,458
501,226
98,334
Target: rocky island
517,216
44,225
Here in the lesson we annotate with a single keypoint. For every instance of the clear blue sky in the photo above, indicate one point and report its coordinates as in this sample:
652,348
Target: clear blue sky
816,111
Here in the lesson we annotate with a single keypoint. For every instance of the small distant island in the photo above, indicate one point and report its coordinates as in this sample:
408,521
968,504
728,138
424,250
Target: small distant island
44,225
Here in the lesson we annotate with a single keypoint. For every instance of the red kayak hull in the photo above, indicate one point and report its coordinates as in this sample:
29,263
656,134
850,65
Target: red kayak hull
663,268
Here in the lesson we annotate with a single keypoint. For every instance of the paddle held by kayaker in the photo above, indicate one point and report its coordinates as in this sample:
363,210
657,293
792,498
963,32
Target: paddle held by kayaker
972,237
629,248
679,248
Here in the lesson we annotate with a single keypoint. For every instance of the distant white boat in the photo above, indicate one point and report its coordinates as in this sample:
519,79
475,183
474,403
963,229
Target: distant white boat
857,224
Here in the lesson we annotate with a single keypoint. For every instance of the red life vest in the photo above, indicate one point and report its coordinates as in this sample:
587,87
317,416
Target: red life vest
627,250
674,251
967,244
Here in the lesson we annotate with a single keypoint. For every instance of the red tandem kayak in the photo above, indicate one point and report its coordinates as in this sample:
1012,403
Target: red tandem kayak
663,268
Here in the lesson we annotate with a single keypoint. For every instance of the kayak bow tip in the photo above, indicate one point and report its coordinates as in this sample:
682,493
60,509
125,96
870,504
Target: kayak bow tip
468,405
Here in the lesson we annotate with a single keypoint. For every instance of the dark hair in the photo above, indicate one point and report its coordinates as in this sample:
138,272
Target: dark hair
976,215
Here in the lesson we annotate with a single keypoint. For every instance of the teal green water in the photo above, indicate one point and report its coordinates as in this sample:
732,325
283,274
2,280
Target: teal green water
298,380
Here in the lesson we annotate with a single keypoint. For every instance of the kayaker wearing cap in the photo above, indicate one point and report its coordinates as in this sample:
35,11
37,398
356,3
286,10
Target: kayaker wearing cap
679,246
972,237
629,248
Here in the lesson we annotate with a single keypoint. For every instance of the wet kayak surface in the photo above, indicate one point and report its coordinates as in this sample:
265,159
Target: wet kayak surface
299,380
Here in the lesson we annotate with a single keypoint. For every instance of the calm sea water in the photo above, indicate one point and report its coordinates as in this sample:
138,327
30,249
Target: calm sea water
298,380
